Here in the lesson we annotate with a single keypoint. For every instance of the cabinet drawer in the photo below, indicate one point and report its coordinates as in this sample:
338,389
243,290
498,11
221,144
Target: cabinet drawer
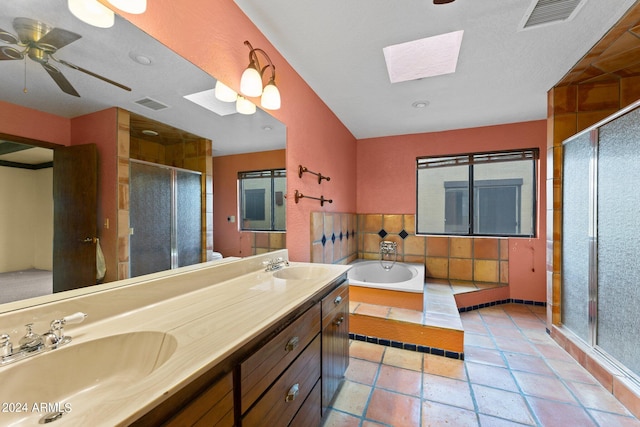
337,301
214,407
263,367
309,414
279,405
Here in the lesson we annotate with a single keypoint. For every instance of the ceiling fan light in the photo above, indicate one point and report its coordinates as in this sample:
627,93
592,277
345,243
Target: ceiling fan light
130,6
244,106
251,82
224,93
92,13
271,96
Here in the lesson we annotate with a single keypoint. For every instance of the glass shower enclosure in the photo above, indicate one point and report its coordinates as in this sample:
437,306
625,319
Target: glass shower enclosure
165,218
600,245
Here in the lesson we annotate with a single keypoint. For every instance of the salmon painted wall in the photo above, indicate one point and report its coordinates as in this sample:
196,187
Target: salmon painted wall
101,128
34,124
386,183
315,137
227,239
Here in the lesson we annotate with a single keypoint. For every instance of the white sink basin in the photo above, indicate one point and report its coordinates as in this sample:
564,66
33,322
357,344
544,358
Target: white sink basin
302,273
64,378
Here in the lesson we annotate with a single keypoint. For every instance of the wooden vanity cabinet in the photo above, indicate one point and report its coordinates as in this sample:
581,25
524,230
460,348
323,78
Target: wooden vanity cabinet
335,341
286,376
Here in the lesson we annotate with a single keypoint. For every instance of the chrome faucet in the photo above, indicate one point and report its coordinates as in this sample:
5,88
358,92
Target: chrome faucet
275,264
31,343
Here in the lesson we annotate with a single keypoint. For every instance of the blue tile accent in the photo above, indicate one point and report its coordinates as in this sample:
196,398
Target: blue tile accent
333,237
324,240
340,236
407,346
500,302
403,234
382,233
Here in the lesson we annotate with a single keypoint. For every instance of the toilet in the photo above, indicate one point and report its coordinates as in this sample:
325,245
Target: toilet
216,256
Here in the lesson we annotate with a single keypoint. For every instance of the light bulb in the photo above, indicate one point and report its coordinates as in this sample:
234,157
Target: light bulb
271,97
224,93
251,82
244,106
130,6
92,13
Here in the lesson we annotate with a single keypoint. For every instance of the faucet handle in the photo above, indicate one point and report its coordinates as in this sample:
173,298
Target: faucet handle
6,348
74,318
30,340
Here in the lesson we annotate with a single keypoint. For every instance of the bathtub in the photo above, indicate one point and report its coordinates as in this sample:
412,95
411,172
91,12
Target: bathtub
406,277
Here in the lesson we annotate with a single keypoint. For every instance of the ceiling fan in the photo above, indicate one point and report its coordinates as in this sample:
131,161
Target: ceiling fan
40,42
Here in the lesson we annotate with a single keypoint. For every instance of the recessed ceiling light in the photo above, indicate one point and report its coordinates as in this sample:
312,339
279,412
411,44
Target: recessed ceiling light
140,58
150,132
267,128
428,57
420,104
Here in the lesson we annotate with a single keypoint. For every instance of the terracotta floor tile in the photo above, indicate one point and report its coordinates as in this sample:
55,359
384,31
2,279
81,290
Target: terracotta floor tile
551,413
502,404
403,358
443,366
405,315
524,362
489,421
479,340
475,327
543,386
339,419
483,355
447,390
437,414
571,371
536,336
505,331
368,423
595,396
400,380
501,320
353,398
491,376
606,419
362,371
472,316
367,351
516,345
373,310
552,351
395,409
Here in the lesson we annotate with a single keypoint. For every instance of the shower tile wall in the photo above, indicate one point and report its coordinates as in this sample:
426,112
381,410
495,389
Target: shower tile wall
333,237
192,155
341,238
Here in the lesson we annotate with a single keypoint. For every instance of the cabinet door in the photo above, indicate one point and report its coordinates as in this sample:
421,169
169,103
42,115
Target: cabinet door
335,342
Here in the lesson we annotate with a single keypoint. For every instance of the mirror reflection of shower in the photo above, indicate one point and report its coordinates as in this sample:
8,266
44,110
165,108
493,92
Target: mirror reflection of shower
388,254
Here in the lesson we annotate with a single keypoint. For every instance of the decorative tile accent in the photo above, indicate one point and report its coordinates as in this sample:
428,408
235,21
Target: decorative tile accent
331,242
382,233
500,302
324,240
403,234
408,346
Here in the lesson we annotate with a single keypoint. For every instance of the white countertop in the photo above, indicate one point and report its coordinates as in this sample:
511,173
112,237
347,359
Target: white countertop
209,324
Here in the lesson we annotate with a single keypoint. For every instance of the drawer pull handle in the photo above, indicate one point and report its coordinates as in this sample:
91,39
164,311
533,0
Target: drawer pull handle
339,321
338,300
292,344
293,393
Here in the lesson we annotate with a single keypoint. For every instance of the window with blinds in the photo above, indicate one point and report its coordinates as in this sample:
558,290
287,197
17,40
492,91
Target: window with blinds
261,200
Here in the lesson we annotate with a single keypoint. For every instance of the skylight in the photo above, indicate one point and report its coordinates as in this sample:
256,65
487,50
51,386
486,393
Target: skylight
428,57
207,99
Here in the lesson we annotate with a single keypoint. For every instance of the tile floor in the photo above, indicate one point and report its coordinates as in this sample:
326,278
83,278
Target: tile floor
513,374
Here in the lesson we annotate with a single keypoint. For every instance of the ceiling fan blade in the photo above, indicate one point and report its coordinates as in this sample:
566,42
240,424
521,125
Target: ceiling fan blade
60,80
57,38
7,37
92,74
9,53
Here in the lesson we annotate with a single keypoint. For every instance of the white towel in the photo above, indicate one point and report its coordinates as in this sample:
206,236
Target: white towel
101,267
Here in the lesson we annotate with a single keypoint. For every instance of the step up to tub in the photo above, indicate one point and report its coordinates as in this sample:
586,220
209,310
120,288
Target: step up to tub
437,329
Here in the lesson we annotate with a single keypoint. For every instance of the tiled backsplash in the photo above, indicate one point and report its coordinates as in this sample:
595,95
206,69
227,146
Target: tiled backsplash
341,238
334,237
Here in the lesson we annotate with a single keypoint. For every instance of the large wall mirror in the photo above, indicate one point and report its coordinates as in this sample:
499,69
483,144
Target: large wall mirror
168,95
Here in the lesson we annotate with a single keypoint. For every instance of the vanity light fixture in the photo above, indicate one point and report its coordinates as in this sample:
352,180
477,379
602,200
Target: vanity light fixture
244,106
251,81
130,6
224,93
92,13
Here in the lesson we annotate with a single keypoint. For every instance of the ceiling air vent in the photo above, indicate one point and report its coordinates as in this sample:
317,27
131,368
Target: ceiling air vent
549,11
151,104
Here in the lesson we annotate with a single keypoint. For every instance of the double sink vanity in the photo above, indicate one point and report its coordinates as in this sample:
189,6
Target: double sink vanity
222,343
